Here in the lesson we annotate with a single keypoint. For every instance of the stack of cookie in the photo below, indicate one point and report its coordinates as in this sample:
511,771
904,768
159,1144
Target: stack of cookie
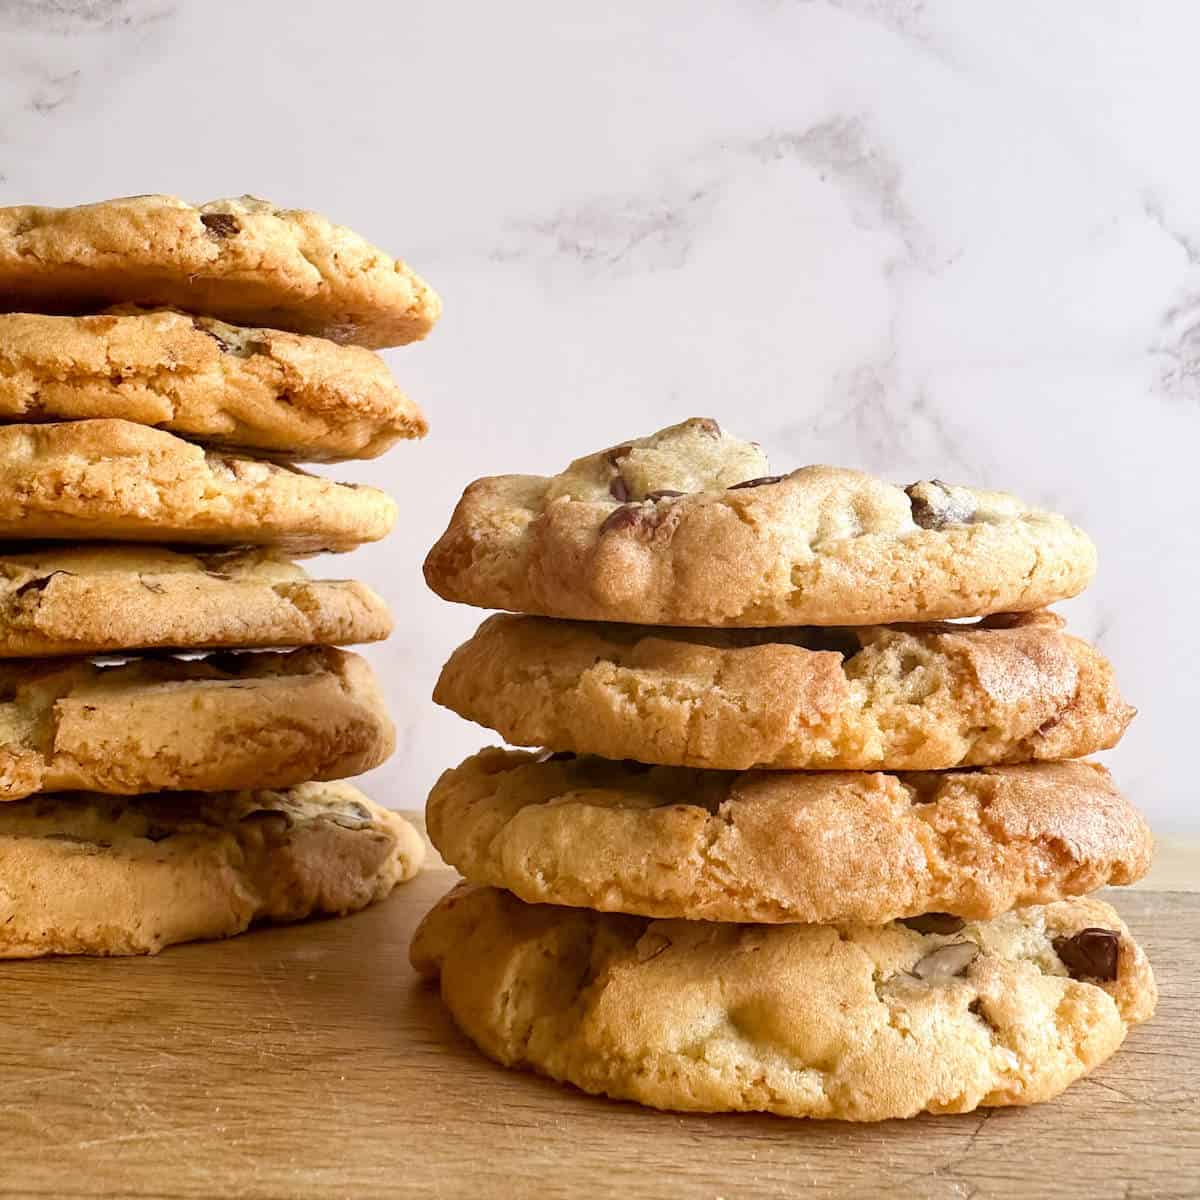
783,848
161,368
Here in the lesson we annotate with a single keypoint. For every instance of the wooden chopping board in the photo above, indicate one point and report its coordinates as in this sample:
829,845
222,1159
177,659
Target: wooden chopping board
309,1062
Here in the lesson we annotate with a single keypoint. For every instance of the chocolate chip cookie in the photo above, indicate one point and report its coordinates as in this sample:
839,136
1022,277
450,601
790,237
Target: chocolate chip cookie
1012,688
241,260
689,527
783,846
88,874
101,598
213,724
114,480
278,395
844,1021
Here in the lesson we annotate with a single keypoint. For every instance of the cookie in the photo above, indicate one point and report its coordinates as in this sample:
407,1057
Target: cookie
87,874
99,598
214,724
241,260
1013,688
784,846
114,480
275,394
854,1022
687,527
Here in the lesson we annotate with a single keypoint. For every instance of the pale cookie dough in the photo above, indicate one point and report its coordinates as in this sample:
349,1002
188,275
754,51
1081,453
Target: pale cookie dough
686,527
852,1022
784,846
242,260
99,598
114,480
214,724
278,395
1010,689
87,874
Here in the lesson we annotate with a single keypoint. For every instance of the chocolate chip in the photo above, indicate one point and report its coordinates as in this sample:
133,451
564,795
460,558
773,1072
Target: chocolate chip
220,225
946,961
158,833
156,588
662,494
935,505
934,922
761,481
38,585
619,490
976,1009
624,517
1090,954
614,456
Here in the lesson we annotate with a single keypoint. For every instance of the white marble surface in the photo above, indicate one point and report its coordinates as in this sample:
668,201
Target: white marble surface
951,238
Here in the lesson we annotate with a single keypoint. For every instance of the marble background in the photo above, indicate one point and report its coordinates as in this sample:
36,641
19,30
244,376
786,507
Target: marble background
943,237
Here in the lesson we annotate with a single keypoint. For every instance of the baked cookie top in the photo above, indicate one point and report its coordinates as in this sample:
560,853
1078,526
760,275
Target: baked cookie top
88,874
688,527
114,480
223,722
279,395
784,846
854,1022
101,598
242,260
1012,688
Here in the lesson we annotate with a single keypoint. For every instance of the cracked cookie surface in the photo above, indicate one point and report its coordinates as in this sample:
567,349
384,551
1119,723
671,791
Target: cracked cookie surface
774,846
242,260
116,480
276,394
213,724
853,1022
99,598
1014,688
87,874
688,527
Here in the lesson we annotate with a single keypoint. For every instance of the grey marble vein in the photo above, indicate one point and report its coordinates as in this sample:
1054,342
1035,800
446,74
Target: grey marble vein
79,16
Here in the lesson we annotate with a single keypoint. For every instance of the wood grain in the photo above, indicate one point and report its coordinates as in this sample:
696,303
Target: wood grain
308,1062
